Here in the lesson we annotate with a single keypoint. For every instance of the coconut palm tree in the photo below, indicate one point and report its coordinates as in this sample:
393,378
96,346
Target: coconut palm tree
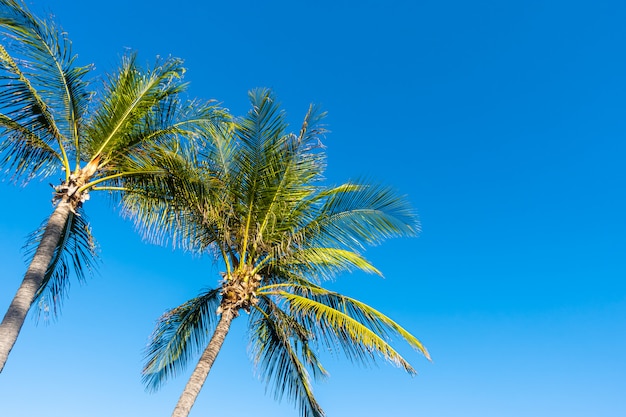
259,205
123,138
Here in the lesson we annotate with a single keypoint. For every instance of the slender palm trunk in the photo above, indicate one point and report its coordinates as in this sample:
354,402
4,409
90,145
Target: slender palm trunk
16,314
199,375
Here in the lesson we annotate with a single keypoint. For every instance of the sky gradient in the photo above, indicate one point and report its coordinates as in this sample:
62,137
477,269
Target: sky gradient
503,123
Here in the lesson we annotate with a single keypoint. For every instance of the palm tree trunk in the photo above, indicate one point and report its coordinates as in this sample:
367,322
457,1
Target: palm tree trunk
199,375
16,314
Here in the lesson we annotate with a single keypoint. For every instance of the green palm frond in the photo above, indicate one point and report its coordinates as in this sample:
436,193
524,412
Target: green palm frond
170,121
281,351
24,153
166,127
41,90
217,149
162,201
158,171
126,110
323,263
146,157
360,336
292,169
258,132
262,127
354,215
362,312
76,251
179,334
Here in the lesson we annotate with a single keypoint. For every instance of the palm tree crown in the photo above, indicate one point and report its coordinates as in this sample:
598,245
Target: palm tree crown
121,139
258,203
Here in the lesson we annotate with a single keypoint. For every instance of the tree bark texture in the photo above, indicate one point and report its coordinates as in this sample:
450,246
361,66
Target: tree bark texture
16,314
199,375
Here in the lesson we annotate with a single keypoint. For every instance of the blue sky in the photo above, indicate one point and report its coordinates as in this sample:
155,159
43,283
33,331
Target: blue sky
503,123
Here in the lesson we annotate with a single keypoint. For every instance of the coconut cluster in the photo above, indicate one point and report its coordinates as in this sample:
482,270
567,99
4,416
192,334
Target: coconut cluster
239,290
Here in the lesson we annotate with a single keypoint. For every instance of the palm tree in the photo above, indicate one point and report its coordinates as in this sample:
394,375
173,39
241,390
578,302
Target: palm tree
259,206
122,139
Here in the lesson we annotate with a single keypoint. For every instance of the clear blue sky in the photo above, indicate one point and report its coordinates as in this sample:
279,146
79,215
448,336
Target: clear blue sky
504,123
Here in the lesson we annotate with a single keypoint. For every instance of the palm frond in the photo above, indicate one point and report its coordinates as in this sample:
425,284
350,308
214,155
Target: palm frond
41,87
179,334
132,105
354,215
76,252
165,193
263,126
258,132
362,312
171,120
322,263
359,340
217,149
25,153
281,351
292,168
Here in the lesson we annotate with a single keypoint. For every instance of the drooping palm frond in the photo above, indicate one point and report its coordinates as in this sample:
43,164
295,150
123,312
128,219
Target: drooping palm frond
345,325
43,96
179,334
366,315
283,356
165,192
76,251
24,153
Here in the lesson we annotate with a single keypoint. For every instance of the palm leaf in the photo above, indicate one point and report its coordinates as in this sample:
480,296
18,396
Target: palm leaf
365,314
354,215
292,168
179,334
280,346
325,263
217,149
163,191
42,89
258,132
76,251
131,99
24,152
164,128
169,121
358,340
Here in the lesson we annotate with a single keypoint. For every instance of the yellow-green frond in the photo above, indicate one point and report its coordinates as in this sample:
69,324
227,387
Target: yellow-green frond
356,339
325,263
